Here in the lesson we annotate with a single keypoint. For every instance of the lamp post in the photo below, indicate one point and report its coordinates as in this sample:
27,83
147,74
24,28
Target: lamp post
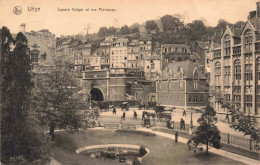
191,123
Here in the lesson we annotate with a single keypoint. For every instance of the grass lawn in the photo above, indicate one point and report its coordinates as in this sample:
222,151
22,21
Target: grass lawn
163,151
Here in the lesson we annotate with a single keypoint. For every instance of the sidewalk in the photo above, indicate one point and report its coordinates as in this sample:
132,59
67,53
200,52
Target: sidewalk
230,155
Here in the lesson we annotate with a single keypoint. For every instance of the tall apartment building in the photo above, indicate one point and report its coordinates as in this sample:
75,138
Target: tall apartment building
81,57
118,53
133,56
235,67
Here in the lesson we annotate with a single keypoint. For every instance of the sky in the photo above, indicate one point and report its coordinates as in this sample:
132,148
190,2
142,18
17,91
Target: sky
126,12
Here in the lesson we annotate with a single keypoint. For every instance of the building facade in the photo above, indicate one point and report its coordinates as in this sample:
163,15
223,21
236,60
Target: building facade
118,53
182,86
235,67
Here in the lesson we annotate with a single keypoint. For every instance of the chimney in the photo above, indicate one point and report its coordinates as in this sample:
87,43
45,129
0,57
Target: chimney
22,26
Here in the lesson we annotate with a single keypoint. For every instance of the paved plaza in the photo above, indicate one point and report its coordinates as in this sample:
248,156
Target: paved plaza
176,117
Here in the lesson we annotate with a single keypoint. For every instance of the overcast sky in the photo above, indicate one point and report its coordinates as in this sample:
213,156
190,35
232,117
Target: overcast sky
127,12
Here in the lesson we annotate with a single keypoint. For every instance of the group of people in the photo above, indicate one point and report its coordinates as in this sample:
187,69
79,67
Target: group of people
124,113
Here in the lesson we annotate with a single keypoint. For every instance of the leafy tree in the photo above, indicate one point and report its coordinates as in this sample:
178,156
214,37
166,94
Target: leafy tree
151,25
171,23
134,28
57,99
21,139
239,24
239,120
124,30
111,30
207,133
103,31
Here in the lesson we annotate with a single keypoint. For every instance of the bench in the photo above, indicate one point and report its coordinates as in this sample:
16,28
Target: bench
111,125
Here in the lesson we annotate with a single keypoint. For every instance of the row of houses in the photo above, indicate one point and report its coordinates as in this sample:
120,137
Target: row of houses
123,54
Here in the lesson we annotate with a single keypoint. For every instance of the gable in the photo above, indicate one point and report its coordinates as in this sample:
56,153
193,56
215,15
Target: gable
247,25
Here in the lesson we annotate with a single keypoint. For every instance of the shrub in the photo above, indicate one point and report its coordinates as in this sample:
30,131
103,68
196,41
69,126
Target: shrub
136,162
142,151
136,132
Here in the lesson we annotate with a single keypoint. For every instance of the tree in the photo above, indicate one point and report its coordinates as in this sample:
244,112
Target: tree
111,30
196,30
21,139
171,23
134,28
57,99
239,120
151,25
239,24
124,30
207,133
103,31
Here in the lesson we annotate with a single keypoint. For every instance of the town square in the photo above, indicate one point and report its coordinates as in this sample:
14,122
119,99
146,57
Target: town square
133,82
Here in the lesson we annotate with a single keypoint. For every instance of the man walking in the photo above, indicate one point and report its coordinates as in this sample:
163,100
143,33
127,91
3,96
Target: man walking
184,113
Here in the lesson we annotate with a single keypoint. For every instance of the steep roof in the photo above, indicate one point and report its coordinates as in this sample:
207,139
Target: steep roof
133,42
146,38
181,69
60,41
194,56
176,45
203,45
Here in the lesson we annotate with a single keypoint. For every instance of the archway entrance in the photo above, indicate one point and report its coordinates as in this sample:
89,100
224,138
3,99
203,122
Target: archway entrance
96,95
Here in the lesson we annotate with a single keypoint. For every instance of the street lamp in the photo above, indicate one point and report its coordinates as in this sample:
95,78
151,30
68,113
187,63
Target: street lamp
191,123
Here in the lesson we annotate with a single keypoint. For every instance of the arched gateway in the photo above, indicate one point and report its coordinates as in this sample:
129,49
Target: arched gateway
96,94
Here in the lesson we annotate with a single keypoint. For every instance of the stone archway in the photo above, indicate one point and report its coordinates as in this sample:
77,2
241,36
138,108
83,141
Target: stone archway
96,94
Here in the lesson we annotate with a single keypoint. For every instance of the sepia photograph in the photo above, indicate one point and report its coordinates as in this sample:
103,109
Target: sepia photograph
130,82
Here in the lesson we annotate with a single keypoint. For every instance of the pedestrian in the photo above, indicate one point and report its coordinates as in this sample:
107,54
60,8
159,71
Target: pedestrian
143,116
135,115
184,113
115,111
181,124
176,137
124,115
227,118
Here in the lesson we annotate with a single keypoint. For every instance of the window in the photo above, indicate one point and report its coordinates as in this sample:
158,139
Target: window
34,57
189,98
227,45
179,58
248,40
152,66
195,98
195,83
248,70
258,72
180,84
217,73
